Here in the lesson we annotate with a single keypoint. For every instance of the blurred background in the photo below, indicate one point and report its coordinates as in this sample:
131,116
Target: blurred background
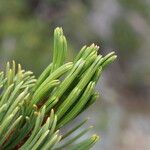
122,114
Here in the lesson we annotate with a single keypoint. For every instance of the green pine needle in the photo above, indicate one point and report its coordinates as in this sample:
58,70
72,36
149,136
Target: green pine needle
33,111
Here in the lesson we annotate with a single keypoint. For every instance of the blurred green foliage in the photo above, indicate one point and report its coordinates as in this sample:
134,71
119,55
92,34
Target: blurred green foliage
125,38
26,35
137,5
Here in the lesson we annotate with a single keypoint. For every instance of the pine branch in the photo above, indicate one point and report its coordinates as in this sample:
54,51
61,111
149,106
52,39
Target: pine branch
33,111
